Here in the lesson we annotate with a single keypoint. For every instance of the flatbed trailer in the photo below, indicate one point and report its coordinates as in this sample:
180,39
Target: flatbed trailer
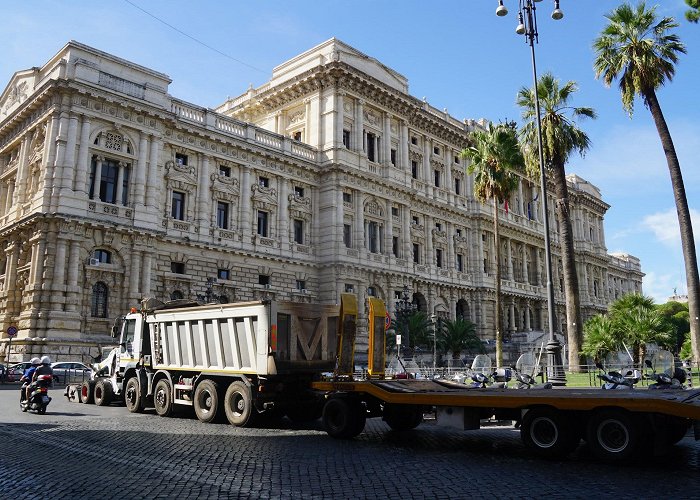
616,423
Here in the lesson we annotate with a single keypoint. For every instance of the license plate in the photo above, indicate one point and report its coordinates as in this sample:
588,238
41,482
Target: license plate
45,399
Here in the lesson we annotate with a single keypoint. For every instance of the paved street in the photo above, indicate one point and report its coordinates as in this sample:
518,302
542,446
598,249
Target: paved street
84,451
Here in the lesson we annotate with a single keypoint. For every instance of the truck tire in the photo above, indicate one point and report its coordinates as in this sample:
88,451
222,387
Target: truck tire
87,392
103,392
238,405
613,435
206,401
547,432
402,417
132,396
343,418
163,398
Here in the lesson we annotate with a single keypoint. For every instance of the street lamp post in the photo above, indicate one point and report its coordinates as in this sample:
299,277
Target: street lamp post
404,309
433,320
527,25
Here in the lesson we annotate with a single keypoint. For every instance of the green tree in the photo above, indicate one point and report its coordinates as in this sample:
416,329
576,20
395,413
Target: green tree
676,314
495,160
560,138
419,329
693,14
640,50
599,338
457,336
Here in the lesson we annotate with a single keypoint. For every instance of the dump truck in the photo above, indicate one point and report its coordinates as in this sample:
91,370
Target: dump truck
245,359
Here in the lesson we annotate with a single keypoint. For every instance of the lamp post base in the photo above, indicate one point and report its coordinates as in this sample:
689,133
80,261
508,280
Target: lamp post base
555,366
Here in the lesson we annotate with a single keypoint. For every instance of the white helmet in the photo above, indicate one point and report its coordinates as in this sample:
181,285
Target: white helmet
35,361
45,360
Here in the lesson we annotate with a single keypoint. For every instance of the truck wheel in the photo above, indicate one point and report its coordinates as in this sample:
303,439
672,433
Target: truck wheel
132,396
206,400
613,435
163,398
343,418
677,429
87,392
548,433
402,417
238,405
103,392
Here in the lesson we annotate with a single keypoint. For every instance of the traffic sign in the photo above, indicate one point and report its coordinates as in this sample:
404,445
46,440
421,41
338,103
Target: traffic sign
11,331
387,321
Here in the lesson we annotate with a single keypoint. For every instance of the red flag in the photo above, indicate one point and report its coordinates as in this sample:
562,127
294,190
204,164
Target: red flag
505,205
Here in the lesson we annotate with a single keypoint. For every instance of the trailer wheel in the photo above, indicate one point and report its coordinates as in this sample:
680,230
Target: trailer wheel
343,418
613,435
548,432
163,398
103,392
132,396
677,429
206,401
238,405
87,392
402,417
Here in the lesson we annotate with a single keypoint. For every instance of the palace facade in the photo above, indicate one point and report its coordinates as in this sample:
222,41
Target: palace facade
329,178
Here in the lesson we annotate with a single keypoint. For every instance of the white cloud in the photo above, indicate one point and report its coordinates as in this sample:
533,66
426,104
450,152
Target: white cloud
660,286
665,227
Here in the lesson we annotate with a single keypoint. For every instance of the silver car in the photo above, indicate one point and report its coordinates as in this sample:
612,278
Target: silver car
65,372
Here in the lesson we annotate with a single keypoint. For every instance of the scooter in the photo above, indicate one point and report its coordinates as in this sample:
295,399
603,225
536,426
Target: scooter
665,381
615,380
39,398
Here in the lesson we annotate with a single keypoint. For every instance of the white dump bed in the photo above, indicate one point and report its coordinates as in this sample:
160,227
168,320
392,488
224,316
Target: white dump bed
226,338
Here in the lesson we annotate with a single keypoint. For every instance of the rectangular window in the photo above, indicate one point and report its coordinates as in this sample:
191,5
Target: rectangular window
371,291
224,171
349,288
371,146
262,223
438,257
299,231
263,182
222,215
414,140
460,263
414,220
437,178
457,160
414,169
416,253
181,159
297,136
436,150
458,231
347,198
346,138
178,208
395,246
393,157
298,192
458,186
394,211
347,231
373,236
263,279
438,226
301,285
177,267
224,274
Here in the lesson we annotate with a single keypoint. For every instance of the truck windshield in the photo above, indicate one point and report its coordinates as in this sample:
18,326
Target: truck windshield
128,335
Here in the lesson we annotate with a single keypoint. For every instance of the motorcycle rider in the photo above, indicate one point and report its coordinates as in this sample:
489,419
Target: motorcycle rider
27,378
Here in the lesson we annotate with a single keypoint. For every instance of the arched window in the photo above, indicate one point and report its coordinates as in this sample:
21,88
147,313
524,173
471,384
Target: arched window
176,295
223,299
100,294
102,256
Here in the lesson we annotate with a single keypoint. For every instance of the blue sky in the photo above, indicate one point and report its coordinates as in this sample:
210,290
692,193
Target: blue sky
455,53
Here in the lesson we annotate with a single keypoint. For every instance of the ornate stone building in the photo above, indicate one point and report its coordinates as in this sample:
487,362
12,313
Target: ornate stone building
329,178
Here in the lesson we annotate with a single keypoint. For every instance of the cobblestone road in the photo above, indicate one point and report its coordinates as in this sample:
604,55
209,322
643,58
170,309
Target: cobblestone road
81,451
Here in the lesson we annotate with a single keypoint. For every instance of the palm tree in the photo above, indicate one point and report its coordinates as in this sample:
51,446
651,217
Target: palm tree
495,160
599,339
693,13
457,336
560,138
640,50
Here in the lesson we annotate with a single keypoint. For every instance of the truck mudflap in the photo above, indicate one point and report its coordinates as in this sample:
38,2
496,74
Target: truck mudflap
144,383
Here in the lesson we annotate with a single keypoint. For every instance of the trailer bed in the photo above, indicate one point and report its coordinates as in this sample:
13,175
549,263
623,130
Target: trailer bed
684,404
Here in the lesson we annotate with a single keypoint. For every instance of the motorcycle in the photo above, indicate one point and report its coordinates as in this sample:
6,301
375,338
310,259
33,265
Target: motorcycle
668,376
613,380
527,367
39,398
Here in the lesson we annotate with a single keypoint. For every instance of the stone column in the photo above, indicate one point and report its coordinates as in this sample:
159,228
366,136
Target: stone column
511,316
521,202
146,274
134,275
23,168
339,219
140,173
407,243
3,196
72,302
37,274
509,257
526,264
120,183
386,160
429,252
538,264
10,190
359,125
83,164
153,186
339,118
358,239
204,198
528,326
425,175
451,260
404,160
48,162
97,179
283,214
69,160
246,216
12,256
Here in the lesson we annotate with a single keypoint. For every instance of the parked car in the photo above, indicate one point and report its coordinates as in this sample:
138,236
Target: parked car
66,371
15,372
